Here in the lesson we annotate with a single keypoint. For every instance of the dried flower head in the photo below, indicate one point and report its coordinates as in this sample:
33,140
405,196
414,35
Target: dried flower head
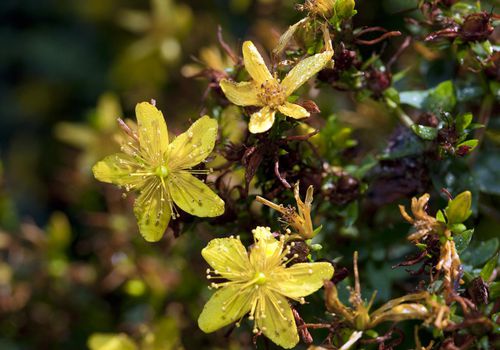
323,8
161,171
423,223
359,317
258,284
269,92
298,219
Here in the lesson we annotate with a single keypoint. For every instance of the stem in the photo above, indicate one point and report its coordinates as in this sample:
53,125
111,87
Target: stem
484,119
357,287
404,118
485,114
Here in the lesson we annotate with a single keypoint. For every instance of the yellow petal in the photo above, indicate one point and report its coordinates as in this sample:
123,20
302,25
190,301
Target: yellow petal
278,324
241,94
226,306
303,279
227,256
193,196
153,133
118,169
304,70
193,146
254,63
152,211
261,121
266,250
293,110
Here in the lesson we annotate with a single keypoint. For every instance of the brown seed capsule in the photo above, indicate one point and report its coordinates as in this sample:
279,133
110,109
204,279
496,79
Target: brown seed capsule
378,81
299,250
478,291
476,27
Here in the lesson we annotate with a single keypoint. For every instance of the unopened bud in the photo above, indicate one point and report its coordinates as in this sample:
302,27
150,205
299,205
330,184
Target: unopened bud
344,9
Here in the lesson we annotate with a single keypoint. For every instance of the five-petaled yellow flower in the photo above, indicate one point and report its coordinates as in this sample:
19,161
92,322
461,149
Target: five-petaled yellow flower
259,284
161,171
267,91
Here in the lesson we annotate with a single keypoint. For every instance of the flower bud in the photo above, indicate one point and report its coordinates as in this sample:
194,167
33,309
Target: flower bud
479,291
344,9
476,27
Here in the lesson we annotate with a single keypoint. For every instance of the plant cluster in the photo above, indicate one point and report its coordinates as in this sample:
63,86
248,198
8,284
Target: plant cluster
244,174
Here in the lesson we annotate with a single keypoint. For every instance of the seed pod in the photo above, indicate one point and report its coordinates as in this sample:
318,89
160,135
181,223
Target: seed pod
478,291
476,27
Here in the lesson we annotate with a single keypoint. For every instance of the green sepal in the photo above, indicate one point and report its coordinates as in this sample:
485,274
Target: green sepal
458,209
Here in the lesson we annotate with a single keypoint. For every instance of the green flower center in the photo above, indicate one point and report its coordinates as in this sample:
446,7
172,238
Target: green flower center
260,278
162,171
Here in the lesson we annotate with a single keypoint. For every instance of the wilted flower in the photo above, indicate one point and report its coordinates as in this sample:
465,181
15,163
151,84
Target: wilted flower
423,223
258,284
449,261
299,220
161,171
324,8
269,92
359,317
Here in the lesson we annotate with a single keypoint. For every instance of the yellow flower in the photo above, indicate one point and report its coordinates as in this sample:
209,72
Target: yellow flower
258,284
161,171
212,59
269,92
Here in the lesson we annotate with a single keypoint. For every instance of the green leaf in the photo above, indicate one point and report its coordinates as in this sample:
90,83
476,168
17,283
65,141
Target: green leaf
317,230
352,212
487,172
458,228
360,171
440,216
393,95
488,269
413,98
410,145
425,132
468,91
463,121
344,9
479,253
494,290
458,209
462,240
469,143
441,99
495,89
